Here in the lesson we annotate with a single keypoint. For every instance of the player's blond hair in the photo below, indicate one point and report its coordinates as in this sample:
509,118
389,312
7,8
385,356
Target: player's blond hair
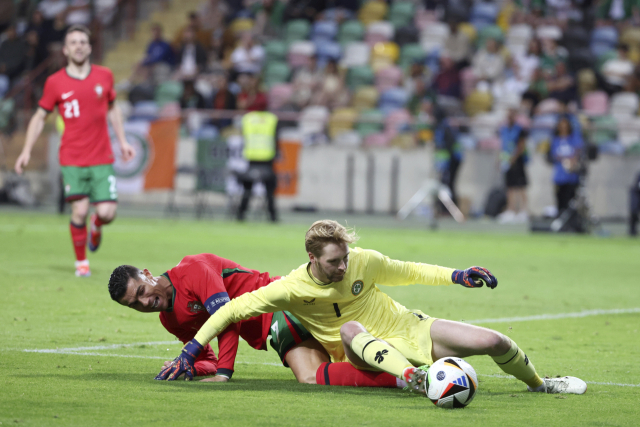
327,231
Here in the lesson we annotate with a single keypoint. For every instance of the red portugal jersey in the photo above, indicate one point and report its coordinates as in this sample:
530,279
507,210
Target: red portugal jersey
83,105
202,284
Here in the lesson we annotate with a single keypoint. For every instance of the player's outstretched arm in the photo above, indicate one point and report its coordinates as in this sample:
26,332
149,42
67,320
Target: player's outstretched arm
115,117
474,277
36,124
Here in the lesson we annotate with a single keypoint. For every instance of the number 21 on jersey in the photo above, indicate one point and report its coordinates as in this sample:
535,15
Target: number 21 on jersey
71,109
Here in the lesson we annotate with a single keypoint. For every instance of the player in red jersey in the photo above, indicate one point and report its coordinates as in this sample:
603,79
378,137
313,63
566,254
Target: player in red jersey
85,98
198,286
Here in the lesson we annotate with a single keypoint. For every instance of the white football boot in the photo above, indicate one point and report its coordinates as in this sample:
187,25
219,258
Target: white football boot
416,379
566,385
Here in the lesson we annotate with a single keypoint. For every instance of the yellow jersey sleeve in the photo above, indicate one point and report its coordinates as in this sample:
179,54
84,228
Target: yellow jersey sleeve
269,299
390,272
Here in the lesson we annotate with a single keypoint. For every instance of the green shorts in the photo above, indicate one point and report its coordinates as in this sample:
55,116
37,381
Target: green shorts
98,183
286,332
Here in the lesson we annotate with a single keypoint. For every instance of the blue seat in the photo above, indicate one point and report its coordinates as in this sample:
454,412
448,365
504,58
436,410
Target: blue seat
328,50
393,99
603,39
324,30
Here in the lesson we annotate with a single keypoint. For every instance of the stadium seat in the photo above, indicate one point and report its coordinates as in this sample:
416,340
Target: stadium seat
326,51
313,120
604,130
365,98
377,32
628,130
297,29
275,50
275,72
433,36
595,103
518,38
485,126
410,54
549,106
369,122
489,32
393,99
549,32
405,140
542,128
376,140
586,81
372,11
401,13
279,96
631,36
341,120
324,30
398,121
350,31
169,91
359,76
337,14
478,101
300,53
388,77
603,40
483,14
349,138
384,54
424,18
355,54
469,30
624,104
240,25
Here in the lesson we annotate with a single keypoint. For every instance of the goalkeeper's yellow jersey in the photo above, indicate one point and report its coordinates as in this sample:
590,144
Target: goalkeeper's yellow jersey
323,309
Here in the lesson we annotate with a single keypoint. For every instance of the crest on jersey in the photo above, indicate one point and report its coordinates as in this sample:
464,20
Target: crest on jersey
195,306
99,90
357,286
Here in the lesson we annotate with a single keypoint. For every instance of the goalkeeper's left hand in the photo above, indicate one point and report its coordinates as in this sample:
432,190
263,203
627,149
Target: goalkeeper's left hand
183,364
474,277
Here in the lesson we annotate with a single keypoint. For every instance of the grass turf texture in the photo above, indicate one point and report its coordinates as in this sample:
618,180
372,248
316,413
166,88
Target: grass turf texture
46,307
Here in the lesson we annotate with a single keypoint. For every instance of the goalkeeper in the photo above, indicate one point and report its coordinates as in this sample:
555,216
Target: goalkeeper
336,298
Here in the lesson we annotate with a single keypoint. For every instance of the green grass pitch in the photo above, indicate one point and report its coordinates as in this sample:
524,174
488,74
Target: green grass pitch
89,377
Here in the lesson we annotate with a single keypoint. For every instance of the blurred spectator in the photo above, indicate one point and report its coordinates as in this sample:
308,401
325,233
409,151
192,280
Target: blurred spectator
248,56
537,90
36,51
457,46
192,57
7,12
634,206
212,14
52,8
304,9
269,16
191,98
36,23
199,34
552,54
55,31
562,86
488,63
564,153
448,153
78,12
416,84
251,98
616,73
13,54
158,50
333,92
528,62
224,99
609,11
306,81
447,81
512,160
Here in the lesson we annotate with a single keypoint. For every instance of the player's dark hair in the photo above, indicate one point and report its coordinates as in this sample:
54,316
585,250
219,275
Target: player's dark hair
119,279
80,28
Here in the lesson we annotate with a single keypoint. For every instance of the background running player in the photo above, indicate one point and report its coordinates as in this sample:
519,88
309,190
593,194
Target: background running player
85,98
356,322
198,286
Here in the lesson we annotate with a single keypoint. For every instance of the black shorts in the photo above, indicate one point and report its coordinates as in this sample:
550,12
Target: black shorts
515,177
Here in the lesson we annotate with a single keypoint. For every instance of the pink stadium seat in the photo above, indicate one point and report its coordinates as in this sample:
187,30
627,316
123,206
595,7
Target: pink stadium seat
279,95
595,103
491,143
376,140
548,106
388,77
423,18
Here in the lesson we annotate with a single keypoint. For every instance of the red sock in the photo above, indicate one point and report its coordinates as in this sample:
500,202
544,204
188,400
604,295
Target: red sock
79,239
98,222
344,374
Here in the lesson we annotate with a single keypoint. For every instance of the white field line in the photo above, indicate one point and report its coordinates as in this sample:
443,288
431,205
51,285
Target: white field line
585,313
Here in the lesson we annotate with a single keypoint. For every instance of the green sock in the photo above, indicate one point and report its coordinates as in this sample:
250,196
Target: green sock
516,363
379,354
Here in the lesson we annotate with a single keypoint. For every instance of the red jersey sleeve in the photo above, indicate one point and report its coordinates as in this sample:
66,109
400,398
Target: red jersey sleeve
49,96
208,287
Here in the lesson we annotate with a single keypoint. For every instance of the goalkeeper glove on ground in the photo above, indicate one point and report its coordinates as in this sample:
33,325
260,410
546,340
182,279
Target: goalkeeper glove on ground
183,364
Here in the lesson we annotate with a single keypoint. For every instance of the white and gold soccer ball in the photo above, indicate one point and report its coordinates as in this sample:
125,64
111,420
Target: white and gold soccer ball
451,383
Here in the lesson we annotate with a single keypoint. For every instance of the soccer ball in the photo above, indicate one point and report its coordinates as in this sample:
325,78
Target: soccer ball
451,383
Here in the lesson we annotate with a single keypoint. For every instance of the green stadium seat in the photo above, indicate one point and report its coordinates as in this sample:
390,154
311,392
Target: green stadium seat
490,32
275,50
604,130
401,13
370,122
169,91
276,72
350,31
410,54
360,76
298,29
